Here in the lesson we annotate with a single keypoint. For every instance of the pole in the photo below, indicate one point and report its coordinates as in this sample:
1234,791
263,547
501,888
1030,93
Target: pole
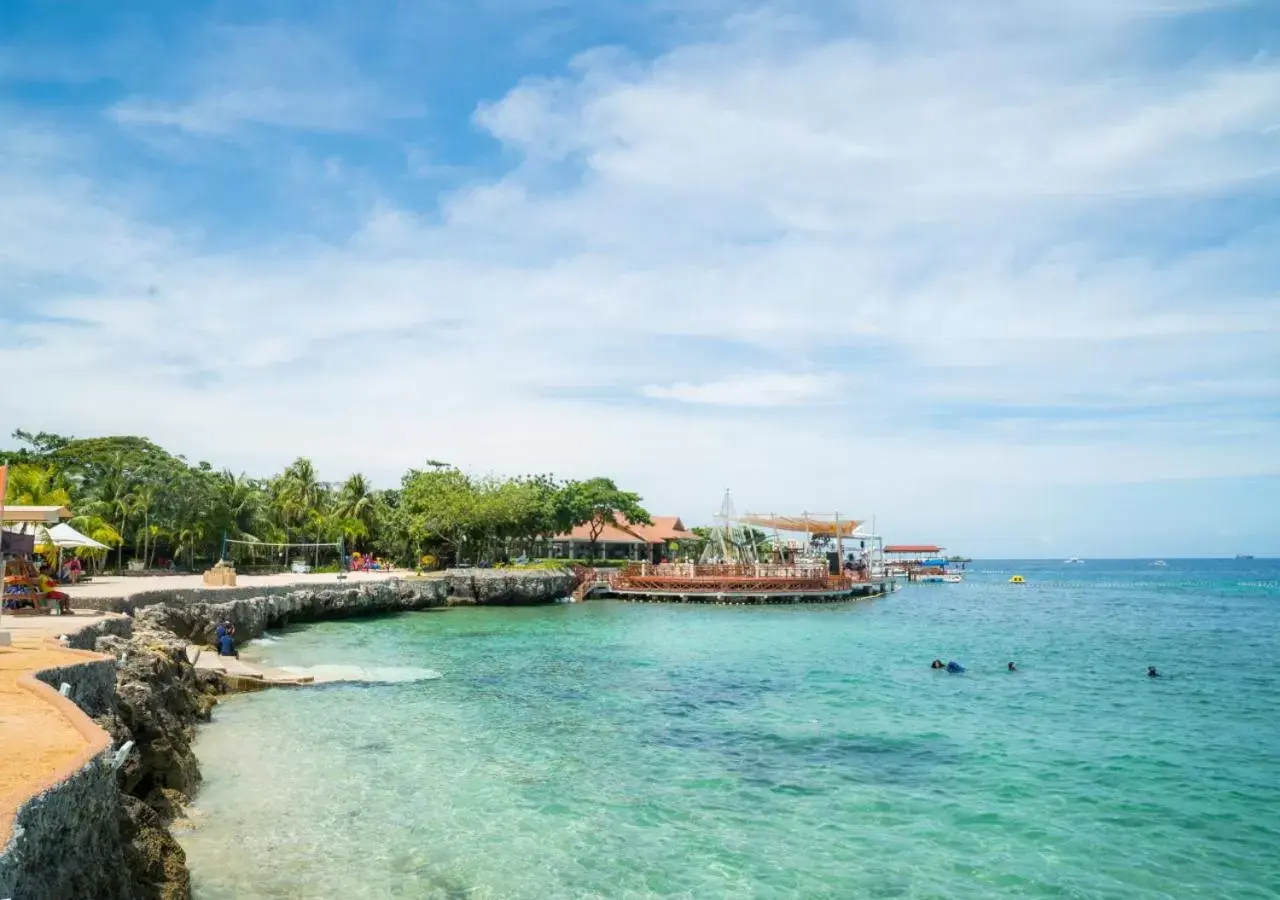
4,487
223,553
839,546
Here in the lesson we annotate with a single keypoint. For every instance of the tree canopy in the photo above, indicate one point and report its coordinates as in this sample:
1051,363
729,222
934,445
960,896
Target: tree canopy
131,494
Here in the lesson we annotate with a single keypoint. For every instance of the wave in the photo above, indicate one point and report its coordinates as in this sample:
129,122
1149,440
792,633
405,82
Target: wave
336,674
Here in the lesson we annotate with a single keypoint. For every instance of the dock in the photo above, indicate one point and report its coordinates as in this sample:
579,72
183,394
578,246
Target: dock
240,676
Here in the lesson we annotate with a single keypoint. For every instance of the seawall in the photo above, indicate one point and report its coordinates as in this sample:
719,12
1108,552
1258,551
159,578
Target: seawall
65,841
496,587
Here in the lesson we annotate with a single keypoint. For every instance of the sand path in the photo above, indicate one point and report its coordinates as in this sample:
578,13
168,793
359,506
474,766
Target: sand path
43,738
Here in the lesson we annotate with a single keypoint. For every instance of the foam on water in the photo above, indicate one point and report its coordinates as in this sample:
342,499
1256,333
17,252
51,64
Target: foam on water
336,673
642,751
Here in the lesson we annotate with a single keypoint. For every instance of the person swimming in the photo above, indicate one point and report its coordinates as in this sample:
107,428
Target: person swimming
1012,667
1152,673
937,664
954,667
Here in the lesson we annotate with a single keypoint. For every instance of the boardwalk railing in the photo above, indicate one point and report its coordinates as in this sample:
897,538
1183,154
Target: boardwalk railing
762,578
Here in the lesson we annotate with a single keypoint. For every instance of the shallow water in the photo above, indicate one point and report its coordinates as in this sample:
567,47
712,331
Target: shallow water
615,750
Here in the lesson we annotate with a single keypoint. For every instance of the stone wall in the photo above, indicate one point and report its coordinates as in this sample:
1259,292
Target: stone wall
67,840
87,637
498,587
93,684
507,587
196,620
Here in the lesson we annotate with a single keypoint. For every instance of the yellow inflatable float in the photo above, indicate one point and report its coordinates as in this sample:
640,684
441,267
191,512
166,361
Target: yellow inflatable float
1017,579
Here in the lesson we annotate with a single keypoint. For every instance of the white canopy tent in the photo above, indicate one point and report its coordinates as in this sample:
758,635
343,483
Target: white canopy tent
64,536
61,535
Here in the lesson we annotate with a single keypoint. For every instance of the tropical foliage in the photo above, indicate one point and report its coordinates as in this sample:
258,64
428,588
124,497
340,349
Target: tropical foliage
150,505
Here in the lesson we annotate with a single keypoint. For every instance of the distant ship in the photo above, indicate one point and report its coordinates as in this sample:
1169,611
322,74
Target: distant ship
1244,556
1074,561
1160,562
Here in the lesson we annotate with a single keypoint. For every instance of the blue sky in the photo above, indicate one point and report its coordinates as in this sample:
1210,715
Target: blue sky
1002,273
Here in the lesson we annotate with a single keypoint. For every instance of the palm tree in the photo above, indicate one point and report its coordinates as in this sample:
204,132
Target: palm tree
298,494
238,503
355,504
35,485
113,500
143,502
101,531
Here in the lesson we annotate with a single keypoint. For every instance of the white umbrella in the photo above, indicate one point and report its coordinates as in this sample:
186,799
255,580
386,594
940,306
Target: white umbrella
64,536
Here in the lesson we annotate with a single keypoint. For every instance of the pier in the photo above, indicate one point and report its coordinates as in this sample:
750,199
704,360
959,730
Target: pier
730,585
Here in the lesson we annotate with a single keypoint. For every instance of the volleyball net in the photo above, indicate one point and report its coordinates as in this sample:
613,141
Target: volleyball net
282,556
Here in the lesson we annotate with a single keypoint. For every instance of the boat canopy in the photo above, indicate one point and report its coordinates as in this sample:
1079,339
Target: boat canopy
806,524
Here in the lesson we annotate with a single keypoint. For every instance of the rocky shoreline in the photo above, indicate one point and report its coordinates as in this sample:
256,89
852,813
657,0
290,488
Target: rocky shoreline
159,698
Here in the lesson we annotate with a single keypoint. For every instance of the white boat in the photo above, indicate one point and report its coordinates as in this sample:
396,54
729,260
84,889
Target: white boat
896,572
931,578
1074,561
1160,562
953,577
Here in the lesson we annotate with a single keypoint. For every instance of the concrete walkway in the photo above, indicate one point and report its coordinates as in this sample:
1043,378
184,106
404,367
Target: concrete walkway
40,739
243,676
126,586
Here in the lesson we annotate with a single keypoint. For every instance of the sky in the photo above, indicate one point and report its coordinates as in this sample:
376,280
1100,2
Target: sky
1001,274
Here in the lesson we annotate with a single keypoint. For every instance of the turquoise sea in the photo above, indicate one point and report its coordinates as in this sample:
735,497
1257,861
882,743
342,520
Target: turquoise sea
635,751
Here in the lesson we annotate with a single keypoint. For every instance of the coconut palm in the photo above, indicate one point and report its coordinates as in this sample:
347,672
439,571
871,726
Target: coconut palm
298,495
31,484
355,504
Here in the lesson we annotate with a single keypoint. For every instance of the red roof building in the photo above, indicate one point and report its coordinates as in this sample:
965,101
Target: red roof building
623,541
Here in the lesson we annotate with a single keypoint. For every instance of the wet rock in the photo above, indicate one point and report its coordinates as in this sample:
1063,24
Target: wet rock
156,861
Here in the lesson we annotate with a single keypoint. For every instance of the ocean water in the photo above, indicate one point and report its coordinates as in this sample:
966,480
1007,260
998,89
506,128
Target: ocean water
637,751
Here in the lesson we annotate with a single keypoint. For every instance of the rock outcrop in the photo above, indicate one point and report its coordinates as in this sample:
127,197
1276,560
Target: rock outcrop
159,699
507,587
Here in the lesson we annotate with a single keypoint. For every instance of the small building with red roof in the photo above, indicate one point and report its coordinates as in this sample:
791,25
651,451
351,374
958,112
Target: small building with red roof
624,540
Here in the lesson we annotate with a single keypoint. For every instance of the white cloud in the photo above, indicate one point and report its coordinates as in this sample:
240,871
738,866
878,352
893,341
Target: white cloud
960,246
767,389
277,75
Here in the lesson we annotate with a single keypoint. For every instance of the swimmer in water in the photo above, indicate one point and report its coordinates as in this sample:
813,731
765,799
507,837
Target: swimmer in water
937,664
1152,673
1012,667
954,667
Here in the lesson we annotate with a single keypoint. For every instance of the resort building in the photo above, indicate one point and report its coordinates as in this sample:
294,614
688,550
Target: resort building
645,543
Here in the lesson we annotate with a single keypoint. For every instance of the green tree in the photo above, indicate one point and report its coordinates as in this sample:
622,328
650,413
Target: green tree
297,498
356,507
440,508
598,503
36,484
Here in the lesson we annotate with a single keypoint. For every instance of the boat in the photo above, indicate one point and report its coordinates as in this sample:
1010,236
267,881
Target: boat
1017,579
953,578
1160,563
1074,561
1244,556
